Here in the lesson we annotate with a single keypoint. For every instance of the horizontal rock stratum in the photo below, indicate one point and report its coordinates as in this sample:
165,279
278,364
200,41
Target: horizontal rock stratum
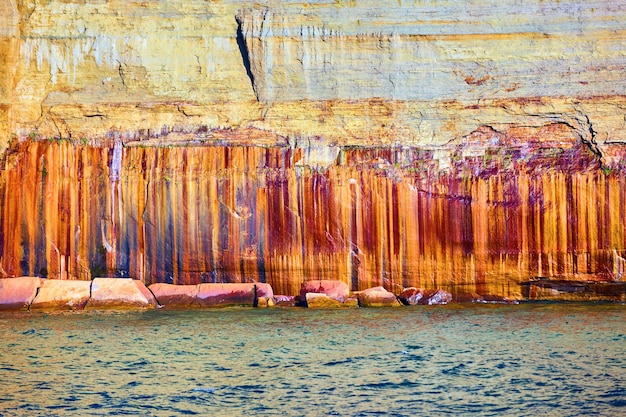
362,72
32,293
38,294
461,146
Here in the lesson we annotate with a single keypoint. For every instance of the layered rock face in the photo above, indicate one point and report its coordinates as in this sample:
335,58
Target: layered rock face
382,216
424,144
360,72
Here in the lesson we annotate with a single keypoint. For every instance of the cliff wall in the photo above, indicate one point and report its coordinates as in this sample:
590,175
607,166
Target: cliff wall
358,72
498,214
463,145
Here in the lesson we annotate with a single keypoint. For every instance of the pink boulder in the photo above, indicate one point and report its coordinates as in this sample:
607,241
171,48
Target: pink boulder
222,295
62,294
170,295
264,295
336,290
18,293
377,297
264,290
436,297
119,293
411,296
285,300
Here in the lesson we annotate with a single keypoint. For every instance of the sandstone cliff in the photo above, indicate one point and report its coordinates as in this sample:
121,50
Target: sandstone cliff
469,145
352,72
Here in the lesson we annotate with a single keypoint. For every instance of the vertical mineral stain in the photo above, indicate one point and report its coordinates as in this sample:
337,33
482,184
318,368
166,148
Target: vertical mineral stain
372,216
429,144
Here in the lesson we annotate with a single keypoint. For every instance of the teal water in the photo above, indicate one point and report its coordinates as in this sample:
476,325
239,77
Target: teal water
524,360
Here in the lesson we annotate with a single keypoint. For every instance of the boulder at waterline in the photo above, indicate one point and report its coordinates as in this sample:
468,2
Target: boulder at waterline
285,300
18,293
119,293
265,302
171,295
336,290
223,295
264,295
411,296
377,297
319,300
60,294
435,297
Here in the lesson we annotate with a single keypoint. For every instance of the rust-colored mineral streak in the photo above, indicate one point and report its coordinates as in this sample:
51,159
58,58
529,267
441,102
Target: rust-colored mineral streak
478,217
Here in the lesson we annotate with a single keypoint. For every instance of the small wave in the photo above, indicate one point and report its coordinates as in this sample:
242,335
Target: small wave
391,385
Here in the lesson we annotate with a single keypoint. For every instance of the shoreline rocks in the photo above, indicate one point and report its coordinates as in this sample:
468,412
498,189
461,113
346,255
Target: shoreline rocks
377,297
33,293
222,295
320,300
61,294
119,293
18,293
174,295
213,295
336,290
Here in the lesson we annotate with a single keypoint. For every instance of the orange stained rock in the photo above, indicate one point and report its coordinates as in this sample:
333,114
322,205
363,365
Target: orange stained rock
392,217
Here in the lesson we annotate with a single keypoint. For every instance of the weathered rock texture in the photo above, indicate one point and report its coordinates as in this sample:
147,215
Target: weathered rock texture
336,290
58,294
377,297
352,72
179,296
18,293
461,146
380,216
214,295
32,293
119,294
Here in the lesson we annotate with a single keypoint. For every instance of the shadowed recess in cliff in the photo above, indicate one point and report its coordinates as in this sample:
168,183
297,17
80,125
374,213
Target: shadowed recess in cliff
468,219
245,55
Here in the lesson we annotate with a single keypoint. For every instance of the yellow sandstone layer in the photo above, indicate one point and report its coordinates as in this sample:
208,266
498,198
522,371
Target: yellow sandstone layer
362,72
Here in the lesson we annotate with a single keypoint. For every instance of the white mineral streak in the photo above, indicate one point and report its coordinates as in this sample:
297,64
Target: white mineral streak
116,162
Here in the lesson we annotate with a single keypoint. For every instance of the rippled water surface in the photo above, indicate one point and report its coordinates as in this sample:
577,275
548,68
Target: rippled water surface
531,359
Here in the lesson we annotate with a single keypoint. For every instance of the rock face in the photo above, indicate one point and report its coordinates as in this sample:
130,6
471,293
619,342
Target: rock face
119,294
213,295
60,294
169,295
411,296
359,72
424,144
18,293
222,295
500,213
319,300
377,297
336,290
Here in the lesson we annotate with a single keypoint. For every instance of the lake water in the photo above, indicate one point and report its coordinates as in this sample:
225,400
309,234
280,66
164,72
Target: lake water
528,359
